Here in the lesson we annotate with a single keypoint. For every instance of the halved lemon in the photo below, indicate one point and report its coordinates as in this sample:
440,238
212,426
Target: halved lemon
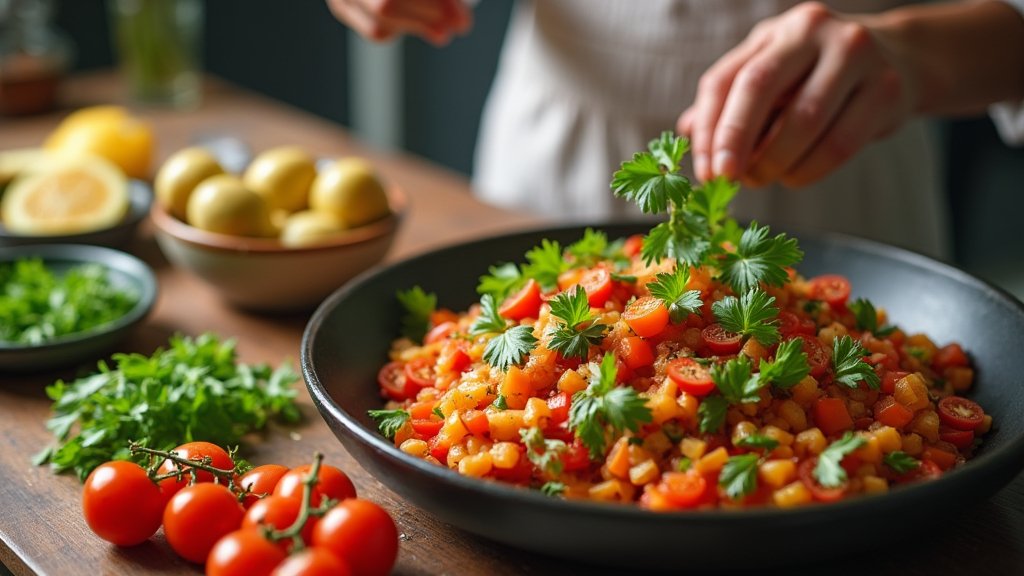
13,163
78,194
110,132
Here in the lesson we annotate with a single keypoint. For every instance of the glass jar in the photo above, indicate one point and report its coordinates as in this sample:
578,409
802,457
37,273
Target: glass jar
34,56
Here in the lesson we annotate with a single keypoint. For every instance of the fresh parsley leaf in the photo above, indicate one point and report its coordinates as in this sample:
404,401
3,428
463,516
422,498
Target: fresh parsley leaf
711,413
577,330
651,178
711,201
760,258
828,472
604,404
589,249
500,403
848,364
766,443
389,421
739,475
544,264
789,366
489,321
544,454
510,348
735,381
901,462
193,390
418,305
685,238
500,281
754,314
867,318
670,288
552,488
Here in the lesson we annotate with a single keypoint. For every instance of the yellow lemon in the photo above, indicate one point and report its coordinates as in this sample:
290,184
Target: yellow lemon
349,189
76,195
224,205
109,132
180,175
16,162
310,227
282,176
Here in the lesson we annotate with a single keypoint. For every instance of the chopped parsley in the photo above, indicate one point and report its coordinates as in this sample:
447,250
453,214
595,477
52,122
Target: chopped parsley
418,305
849,366
590,249
651,179
507,346
437,412
766,443
552,489
500,403
389,421
789,366
604,404
739,476
711,414
670,288
829,472
500,281
735,381
754,314
544,263
577,330
901,462
867,318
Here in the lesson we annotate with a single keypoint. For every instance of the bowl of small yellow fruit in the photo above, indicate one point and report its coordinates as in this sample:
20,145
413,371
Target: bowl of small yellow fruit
280,236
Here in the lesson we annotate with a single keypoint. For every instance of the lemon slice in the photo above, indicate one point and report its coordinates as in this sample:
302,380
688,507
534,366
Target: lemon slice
76,195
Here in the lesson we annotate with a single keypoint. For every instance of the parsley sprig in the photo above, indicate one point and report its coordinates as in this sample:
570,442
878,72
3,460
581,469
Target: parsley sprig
754,315
789,365
760,258
419,305
651,179
866,316
828,472
760,441
545,454
711,413
500,281
739,475
848,364
735,381
578,330
670,288
901,462
603,404
508,346
389,421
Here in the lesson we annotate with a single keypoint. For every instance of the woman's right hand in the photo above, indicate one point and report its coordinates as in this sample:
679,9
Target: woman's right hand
380,20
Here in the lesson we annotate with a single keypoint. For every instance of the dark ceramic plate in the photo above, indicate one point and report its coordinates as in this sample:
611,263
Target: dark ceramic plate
125,271
140,197
348,337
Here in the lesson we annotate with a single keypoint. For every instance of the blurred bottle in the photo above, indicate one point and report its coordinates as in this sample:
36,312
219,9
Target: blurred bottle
34,56
158,44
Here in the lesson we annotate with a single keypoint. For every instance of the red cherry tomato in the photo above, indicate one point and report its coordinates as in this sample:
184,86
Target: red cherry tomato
440,332
790,325
523,304
683,489
635,352
818,357
597,282
720,340
420,372
831,288
197,517
121,504
313,562
362,534
646,316
260,482
962,439
244,553
819,492
331,482
394,384
949,356
280,513
960,413
691,376
198,451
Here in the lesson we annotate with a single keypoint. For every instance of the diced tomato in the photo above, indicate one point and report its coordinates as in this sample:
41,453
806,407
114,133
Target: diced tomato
575,457
928,470
790,325
943,458
960,413
683,489
420,372
453,357
720,340
559,431
646,316
523,304
440,332
476,422
691,376
831,416
597,282
633,245
520,473
623,373
426,427
817,356
806,473
438,449
832,288
559,406
949,355
394,384
962,439
891,413
635,352
890,378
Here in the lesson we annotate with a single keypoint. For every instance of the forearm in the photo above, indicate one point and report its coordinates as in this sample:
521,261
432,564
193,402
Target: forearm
961,56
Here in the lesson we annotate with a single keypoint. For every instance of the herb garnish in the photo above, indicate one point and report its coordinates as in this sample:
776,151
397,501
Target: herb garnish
849,366
739,475
754,314
603,404
670,288
389,421
577,330
508,346
418,305
828,472
901,462
789,366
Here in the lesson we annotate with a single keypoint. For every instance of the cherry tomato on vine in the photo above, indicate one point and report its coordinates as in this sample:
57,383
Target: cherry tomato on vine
691,376
260,482
198,451
361,533
121,504
313,562
280,513
198,516
331,482
244,553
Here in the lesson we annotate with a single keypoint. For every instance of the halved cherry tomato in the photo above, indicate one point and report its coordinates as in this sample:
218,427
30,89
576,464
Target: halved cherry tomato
394,384
962,439
691,376
960,413
683,489
426,427
832,288
819,492
420,372
453,357
635,352
523,304
831,416
790,325
646,316
440,332
559,406
720,340
633,245
945,459
817,356
597,282
949,355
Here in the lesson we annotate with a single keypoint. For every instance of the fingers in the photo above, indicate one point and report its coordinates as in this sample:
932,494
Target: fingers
434,20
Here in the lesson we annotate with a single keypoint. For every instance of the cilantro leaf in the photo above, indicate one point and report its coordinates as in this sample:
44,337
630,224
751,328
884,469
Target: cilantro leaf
500,281
754,314
510,348
389,421
604,404
571,337
589,249
759,258
789,366
739,475
849,366
711,413
552,488
735,381
651,178
489,321
418,305
828,472
901,462
544,264
671,289
544,454
766,443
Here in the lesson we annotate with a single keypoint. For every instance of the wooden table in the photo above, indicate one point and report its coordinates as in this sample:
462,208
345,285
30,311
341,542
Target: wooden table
41,529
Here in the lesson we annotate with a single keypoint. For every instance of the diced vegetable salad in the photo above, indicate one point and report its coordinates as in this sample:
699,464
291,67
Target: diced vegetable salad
689,368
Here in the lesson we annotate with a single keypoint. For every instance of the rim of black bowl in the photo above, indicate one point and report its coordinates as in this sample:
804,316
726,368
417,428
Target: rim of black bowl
140,198
74,254
923,491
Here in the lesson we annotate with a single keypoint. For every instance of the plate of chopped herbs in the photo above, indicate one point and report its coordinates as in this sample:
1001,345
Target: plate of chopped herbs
64,303
650,397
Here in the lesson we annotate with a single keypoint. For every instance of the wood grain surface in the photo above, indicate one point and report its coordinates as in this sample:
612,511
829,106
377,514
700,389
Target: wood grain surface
41,528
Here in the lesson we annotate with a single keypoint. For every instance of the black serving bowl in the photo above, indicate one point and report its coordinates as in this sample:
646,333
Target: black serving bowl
124,271
347,340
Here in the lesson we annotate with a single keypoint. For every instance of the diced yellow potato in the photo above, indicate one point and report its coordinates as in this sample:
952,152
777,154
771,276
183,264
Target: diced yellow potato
810,442
926,423
779,435
777,473
693,448
505,425
791,495
644,473
912,392
793,413
712,461
536,411
805,391
476,465
571,382
888,439
874,485
415,447
505,455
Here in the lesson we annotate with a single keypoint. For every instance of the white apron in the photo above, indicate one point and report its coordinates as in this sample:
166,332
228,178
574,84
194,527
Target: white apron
583,84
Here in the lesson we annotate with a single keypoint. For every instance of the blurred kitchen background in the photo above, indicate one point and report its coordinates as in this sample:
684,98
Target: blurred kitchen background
412,96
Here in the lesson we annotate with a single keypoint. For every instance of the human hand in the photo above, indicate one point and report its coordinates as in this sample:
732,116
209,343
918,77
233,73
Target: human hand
379,20
796,99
